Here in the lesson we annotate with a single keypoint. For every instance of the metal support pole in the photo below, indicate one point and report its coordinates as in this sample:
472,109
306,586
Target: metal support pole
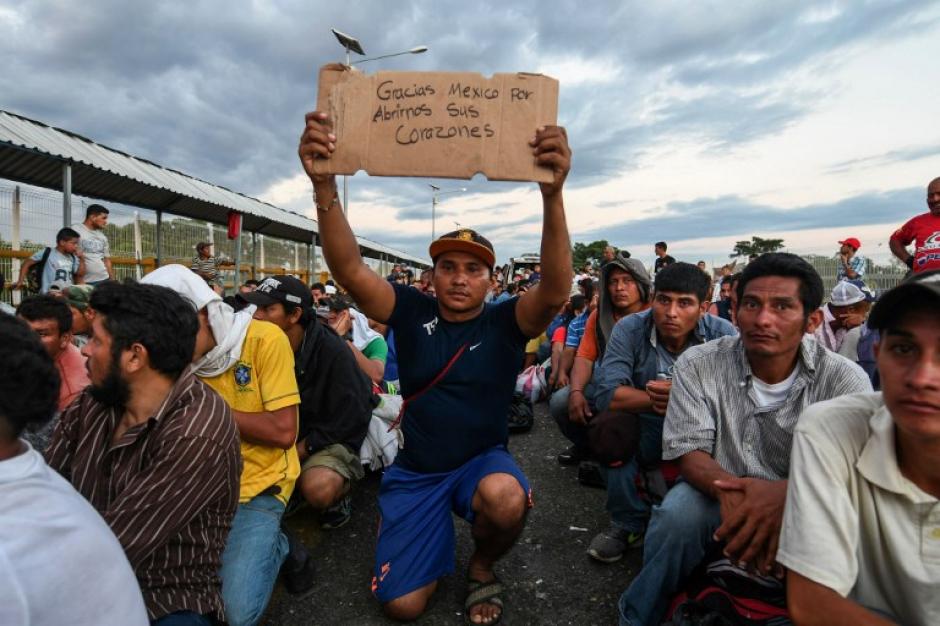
158,240
66,194
310,252
15,244
138,246
254,255
315,259
238,254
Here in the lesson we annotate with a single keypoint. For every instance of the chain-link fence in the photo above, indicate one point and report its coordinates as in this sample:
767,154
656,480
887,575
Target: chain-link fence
131,233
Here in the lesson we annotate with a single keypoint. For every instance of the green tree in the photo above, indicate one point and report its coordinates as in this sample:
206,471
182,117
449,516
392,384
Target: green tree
757,245
584,252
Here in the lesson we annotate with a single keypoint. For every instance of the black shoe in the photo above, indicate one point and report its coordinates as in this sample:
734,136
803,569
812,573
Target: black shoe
572,455
337,515
297,570
589,475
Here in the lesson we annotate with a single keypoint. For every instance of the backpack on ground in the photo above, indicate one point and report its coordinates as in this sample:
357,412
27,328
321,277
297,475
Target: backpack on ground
521,414
34,273
719,592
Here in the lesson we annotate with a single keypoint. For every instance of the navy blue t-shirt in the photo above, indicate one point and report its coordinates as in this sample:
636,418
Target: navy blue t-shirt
466,412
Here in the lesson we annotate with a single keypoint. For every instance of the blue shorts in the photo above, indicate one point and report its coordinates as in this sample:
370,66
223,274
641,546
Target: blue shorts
416,531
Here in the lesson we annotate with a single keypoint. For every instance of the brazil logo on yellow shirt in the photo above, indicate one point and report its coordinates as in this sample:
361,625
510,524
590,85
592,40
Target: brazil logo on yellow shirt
242,372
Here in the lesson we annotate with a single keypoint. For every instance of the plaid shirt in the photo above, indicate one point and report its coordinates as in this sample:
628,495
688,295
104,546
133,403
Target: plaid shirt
713,408
857,265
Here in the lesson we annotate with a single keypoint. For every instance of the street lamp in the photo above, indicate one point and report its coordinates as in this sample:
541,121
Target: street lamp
415,50
351,44
437,192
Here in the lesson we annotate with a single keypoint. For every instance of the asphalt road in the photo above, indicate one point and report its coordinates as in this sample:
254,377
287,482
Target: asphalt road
549,577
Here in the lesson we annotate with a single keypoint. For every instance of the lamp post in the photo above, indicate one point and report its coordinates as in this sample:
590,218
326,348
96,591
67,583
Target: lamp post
437,192
351,44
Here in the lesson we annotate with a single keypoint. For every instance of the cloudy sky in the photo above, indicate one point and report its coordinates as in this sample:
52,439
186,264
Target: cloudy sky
695,122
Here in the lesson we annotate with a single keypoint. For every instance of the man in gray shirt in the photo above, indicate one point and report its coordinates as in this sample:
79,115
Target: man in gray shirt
94,245
732,409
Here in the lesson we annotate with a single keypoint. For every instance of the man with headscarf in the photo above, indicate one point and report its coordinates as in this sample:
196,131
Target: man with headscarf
627,289
251,365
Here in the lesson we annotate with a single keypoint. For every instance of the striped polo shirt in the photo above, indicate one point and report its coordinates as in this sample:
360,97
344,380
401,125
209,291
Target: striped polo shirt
713,406
168,488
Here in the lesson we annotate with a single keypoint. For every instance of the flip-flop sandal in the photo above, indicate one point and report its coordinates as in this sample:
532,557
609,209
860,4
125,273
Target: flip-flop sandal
479,592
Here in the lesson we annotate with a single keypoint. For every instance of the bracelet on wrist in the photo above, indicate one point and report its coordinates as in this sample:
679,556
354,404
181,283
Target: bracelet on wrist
334,202
581,391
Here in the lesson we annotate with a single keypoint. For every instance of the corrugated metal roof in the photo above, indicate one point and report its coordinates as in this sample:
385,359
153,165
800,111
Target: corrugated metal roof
32,152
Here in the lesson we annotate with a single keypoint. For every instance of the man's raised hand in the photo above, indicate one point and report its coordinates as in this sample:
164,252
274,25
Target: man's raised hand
550,147
316,142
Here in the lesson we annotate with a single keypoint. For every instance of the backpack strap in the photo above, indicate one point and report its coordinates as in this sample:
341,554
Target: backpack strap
426,388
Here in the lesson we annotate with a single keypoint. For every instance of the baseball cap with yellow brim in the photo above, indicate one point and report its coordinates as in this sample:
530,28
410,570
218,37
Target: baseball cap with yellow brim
464,240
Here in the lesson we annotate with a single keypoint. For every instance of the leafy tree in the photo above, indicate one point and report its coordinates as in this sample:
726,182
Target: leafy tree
584,252
757,245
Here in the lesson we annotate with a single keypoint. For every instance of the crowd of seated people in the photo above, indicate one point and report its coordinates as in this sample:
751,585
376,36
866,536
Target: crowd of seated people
153,435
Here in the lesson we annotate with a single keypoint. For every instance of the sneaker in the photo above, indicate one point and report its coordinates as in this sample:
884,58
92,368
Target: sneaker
572,455
297,570
608,546
337,515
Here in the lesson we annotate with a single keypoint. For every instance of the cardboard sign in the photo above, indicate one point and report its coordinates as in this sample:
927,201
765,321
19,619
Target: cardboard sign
438,124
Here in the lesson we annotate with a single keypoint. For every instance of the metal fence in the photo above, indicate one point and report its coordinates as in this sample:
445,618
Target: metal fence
131,232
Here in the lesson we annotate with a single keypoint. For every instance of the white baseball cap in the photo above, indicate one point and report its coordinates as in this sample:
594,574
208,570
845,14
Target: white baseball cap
846,294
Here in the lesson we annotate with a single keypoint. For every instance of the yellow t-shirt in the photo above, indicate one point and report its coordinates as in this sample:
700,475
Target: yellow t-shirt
262,380
532,346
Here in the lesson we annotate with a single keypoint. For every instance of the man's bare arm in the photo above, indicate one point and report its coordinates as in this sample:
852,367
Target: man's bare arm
627,398
899,250
539,305
810,604
340,249
270,428
701,471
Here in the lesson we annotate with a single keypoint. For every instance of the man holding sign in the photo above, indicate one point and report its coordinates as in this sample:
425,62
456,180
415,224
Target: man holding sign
458,363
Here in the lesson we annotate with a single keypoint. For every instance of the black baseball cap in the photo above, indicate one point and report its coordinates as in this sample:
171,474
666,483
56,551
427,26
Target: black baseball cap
915,289
464,240
283,289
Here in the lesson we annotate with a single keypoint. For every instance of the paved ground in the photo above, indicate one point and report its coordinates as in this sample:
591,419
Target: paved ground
550,579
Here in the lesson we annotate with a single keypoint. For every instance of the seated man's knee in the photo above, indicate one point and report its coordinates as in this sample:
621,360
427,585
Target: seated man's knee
243,610
410,606
321,487
684,511
501,499
558,405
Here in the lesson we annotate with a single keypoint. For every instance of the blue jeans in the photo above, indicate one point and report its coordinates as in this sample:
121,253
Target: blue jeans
252,558
558,408
627,510
679,534
183,618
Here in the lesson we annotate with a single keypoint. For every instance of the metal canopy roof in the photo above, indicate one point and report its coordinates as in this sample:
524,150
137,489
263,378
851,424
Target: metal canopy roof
32,152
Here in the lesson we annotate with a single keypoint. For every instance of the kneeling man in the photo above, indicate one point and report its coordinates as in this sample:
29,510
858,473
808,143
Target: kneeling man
459,358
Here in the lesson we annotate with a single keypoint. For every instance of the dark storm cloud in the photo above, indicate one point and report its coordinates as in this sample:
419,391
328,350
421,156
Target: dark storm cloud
218,90
731,215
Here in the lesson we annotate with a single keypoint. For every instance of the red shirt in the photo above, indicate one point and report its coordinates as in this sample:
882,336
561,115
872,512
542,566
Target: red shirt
924,231
72,372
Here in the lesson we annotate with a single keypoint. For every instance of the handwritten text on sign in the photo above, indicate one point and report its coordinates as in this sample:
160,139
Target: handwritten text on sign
436,123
